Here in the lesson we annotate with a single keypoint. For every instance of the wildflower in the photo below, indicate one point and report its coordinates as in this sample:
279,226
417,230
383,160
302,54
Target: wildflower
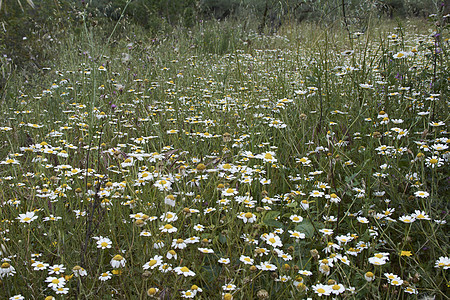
79,271
105,276
229,192
266,266
224,261
326,231
118,261
104,242
420,215
407,219
184,271
39,265
171,254
152,291
199,227
187,294
206,250
411,290
61,290
27,217
273,240
324,269
153,262
17,297
229,287
227,296
246,260
322,290
304,204
434,162
405,253
401,54
55,282
56,269
396,282
337,289
443,262
297,235
192,240
296,219
316,194
437,124
6,270
247,217
379,259
369,276
168,228
421,194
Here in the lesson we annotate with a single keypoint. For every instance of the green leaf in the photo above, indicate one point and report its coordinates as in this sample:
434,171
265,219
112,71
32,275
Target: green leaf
269,219
306,227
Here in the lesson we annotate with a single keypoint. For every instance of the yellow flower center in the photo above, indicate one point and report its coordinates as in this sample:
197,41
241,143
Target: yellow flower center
118,257
184,270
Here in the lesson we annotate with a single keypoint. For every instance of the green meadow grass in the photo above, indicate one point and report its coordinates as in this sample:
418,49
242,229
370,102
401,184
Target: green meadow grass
219,163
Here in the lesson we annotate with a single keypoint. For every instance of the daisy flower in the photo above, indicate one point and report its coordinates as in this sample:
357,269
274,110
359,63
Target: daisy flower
407,219
434,162
420,215
266,266
105,276
184,271
104,242
322,290
443,262
296,218
296,234
7,270
337,288
168,228
118,261
27,217
246,260
56,269
79,271
247,217
224,261
55,282
421,194
229,287
39,265
153,262
273,240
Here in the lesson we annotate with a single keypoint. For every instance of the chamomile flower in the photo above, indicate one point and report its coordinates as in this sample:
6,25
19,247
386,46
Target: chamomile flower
296,218
105,276
154,262
273,240
246,260
118,261
184,271
266,266
55,282
27,217
322,290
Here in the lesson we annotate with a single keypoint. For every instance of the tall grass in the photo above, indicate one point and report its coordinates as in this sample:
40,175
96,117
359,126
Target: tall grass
323,160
